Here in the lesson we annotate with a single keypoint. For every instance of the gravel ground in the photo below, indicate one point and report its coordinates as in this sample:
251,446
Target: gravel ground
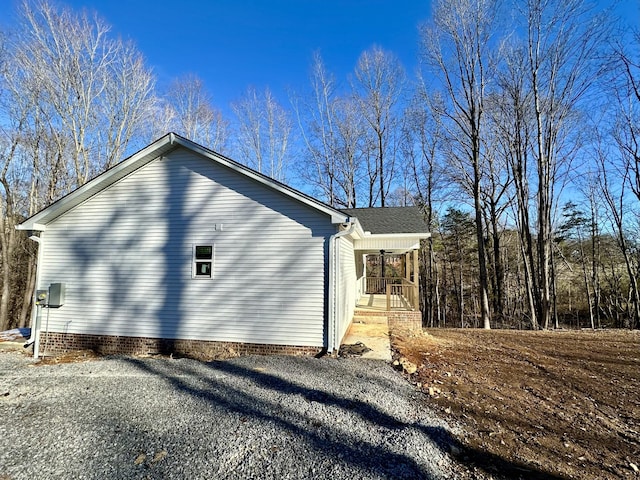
251,417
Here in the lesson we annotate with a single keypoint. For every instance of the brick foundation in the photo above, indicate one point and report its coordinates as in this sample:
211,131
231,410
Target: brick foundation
53,343
405,320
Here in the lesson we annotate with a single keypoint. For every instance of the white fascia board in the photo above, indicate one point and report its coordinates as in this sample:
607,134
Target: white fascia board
420,236
38,227
97,184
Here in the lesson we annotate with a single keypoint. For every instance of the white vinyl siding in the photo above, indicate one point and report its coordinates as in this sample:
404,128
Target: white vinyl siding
126,257
347,286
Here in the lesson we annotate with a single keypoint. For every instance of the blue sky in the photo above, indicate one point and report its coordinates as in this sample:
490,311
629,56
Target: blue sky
232,44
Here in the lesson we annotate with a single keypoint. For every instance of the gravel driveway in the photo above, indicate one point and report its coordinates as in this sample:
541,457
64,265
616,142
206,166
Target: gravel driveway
251,417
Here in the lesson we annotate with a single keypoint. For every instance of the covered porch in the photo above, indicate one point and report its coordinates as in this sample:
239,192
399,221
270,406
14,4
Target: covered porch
390,282
386,302
387,295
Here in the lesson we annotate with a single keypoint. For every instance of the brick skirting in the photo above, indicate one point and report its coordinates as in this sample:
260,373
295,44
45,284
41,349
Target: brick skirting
405,320
53,343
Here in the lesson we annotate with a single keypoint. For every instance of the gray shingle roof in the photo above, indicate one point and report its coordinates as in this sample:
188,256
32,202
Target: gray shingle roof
389,219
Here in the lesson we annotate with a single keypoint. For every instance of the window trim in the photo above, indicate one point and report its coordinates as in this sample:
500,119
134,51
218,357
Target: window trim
195,261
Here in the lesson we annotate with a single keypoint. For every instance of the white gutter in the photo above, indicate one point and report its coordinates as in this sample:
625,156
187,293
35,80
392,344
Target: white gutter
334,285
35,326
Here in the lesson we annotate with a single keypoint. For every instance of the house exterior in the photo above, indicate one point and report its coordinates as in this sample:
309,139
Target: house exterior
179,249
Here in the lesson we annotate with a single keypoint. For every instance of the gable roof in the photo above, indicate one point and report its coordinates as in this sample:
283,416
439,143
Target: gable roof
161,147
389,220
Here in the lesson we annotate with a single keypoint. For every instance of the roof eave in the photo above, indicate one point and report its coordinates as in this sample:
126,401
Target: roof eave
156,149
115,173
420,235
336,216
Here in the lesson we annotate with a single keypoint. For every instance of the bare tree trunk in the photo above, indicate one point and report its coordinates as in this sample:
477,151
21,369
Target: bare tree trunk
458,47
27,295
482,264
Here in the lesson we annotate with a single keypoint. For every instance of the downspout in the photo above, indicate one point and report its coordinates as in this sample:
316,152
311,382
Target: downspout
35,317
334,285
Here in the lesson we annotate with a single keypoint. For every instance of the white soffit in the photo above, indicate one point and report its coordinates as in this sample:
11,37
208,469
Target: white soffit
389,242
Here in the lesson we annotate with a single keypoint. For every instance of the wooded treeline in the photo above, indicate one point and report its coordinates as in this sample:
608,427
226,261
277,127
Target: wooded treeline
518,135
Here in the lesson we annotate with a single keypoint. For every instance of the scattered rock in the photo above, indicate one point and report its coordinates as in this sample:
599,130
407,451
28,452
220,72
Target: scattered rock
161,455
410,368
634,467
406,366
356,349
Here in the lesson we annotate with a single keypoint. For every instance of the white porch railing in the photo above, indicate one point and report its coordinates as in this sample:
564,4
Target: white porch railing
401,293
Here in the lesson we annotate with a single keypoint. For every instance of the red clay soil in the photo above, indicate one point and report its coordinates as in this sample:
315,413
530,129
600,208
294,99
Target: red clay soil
561,404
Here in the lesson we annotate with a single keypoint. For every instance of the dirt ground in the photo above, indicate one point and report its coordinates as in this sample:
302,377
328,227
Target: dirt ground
562,404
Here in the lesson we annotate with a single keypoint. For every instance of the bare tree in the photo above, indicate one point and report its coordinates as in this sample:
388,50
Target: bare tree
192,114
332,130
512,117
456,48
378,85
421,153
348,150
264,133
624,161
315,119
563,42
614,194
92,88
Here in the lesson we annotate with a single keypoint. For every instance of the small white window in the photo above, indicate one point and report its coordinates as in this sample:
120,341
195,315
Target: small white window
203,257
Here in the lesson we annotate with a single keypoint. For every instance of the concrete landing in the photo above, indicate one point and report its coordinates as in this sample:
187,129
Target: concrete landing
374,333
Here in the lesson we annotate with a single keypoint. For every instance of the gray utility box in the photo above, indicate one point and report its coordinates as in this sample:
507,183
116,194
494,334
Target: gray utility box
56,295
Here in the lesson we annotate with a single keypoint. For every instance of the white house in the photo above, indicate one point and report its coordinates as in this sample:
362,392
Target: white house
178,248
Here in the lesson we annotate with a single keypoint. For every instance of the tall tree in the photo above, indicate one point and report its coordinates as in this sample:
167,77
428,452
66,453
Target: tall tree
456,47
192,114
512,117
264,131
378,85
332,130
421,151
563,42
93,91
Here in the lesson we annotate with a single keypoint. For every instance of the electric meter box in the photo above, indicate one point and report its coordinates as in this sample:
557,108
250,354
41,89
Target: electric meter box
56,295
41,297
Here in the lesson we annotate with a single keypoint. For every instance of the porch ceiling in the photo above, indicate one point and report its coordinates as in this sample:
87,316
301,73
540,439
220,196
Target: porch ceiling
389,243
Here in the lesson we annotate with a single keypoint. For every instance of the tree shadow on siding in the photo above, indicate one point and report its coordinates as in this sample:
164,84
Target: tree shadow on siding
244,239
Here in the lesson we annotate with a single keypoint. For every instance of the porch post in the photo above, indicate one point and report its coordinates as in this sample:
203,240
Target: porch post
416,280
407,263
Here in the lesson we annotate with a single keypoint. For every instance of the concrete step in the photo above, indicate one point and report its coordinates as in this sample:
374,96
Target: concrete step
370,319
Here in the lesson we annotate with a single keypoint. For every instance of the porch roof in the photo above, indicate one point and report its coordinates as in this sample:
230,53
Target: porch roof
390,220
394,229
